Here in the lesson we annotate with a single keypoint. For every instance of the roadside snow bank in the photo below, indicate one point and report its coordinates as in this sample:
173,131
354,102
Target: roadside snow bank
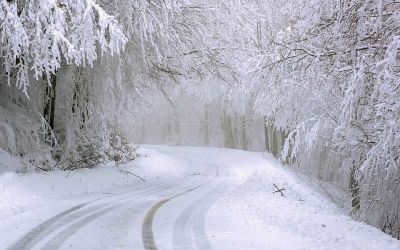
22,192
254,215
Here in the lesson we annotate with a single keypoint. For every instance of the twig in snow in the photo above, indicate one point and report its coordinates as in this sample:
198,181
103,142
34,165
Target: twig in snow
127,172
43,169
279,190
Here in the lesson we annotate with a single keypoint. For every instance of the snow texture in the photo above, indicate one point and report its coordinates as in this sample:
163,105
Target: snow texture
248,215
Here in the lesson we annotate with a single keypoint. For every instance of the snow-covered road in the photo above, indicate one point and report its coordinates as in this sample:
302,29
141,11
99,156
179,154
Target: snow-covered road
192,198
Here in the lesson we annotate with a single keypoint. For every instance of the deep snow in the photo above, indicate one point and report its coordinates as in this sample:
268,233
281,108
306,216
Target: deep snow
240,208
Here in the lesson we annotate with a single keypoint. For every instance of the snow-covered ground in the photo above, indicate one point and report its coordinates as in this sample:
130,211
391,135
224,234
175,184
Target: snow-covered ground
191,198
254,216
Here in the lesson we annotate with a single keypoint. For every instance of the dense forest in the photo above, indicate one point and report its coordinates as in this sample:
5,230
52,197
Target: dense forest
316,83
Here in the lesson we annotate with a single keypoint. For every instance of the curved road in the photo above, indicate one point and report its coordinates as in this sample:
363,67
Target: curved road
169,214
193,198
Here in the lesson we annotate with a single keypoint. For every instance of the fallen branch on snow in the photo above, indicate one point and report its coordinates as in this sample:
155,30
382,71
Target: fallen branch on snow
279,190
127,172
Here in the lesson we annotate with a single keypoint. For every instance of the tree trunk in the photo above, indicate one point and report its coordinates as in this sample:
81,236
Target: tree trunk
266,135
227,128
206,140
354,189
53,101
49,107
244,137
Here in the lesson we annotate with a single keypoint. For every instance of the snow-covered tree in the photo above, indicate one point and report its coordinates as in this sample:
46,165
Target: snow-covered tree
329,74
323,75
41,35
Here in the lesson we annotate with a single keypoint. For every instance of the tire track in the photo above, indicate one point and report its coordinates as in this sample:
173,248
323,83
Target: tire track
23,243
189,228
40,232
147,226
57,241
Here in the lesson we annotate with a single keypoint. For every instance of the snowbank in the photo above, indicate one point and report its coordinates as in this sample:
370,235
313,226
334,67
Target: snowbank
304,218
23,192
